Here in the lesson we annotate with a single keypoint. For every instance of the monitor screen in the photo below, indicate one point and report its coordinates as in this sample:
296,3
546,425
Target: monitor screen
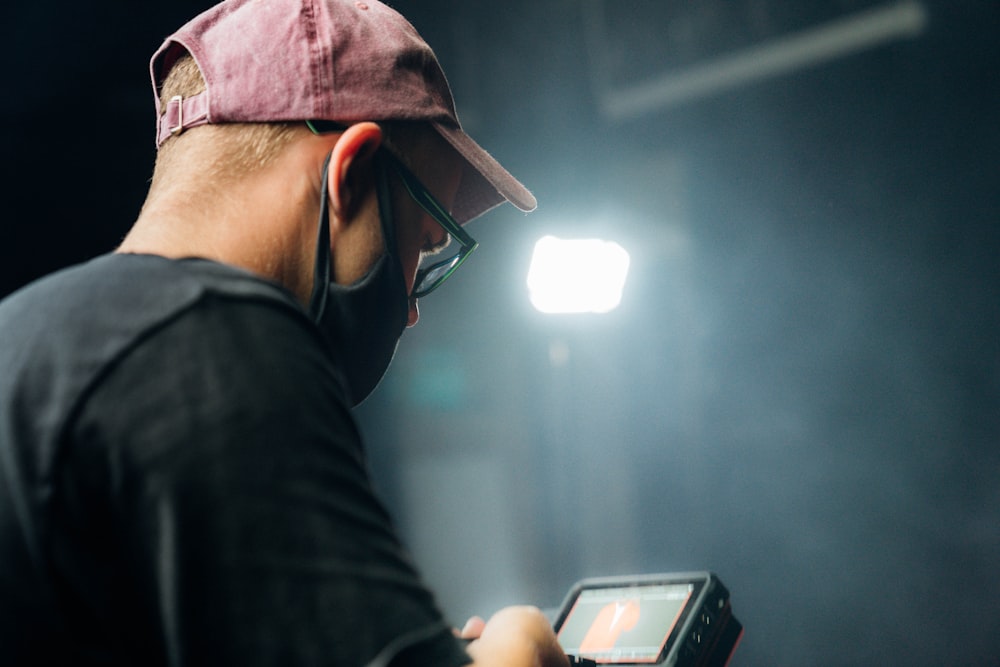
624,624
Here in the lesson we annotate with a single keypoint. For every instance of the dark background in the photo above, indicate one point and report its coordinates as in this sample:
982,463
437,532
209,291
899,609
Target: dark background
801,388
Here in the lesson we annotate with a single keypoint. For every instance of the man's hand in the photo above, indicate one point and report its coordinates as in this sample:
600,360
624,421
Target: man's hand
514,637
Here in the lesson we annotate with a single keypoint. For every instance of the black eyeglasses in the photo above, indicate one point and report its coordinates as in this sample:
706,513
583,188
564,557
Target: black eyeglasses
434,268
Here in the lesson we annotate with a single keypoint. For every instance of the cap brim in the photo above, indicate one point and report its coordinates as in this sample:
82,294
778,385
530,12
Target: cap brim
485,183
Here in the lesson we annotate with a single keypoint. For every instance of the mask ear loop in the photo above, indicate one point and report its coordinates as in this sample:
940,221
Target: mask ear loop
385,212
321,268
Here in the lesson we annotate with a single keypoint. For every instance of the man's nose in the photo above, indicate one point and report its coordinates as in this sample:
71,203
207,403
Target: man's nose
414,315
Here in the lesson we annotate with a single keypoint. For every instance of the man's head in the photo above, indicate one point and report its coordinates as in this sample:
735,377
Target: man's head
289,61
289,110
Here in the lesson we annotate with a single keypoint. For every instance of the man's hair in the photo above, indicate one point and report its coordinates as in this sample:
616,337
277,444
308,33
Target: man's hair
233,149
218,153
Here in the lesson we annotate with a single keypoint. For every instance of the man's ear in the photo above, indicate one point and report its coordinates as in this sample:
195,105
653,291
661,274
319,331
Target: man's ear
350,174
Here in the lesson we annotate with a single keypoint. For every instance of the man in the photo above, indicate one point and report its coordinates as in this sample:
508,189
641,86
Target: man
181,481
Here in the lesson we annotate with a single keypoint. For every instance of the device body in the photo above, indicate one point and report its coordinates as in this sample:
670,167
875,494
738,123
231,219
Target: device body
677,620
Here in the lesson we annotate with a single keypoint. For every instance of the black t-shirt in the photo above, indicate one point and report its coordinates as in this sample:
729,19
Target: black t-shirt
181,482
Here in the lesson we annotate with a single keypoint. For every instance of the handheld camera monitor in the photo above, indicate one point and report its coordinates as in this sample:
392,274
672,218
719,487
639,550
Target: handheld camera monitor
677,620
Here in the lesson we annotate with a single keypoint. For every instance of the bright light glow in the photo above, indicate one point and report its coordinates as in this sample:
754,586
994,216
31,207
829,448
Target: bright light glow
577,276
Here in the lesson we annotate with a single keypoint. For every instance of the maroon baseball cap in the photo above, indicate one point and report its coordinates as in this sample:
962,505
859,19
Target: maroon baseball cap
338,60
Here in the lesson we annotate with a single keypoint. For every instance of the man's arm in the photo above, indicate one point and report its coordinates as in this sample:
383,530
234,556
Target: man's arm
215,506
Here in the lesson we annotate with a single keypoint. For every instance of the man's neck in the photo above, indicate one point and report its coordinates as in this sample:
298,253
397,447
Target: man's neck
258,225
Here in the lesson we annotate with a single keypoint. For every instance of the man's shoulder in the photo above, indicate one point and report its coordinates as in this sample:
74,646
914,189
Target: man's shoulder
128,294
148,278
62,331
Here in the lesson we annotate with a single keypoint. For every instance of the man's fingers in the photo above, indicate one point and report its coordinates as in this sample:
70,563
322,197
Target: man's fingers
473,628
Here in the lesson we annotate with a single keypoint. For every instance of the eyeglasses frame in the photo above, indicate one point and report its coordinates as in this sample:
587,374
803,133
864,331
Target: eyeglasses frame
430,205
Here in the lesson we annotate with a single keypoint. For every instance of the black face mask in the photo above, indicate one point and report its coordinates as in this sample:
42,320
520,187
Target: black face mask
363,321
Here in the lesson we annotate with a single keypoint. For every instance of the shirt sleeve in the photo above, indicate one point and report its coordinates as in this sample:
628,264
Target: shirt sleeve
215,507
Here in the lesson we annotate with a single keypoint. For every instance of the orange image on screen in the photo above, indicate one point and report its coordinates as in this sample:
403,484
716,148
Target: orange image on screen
613,619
